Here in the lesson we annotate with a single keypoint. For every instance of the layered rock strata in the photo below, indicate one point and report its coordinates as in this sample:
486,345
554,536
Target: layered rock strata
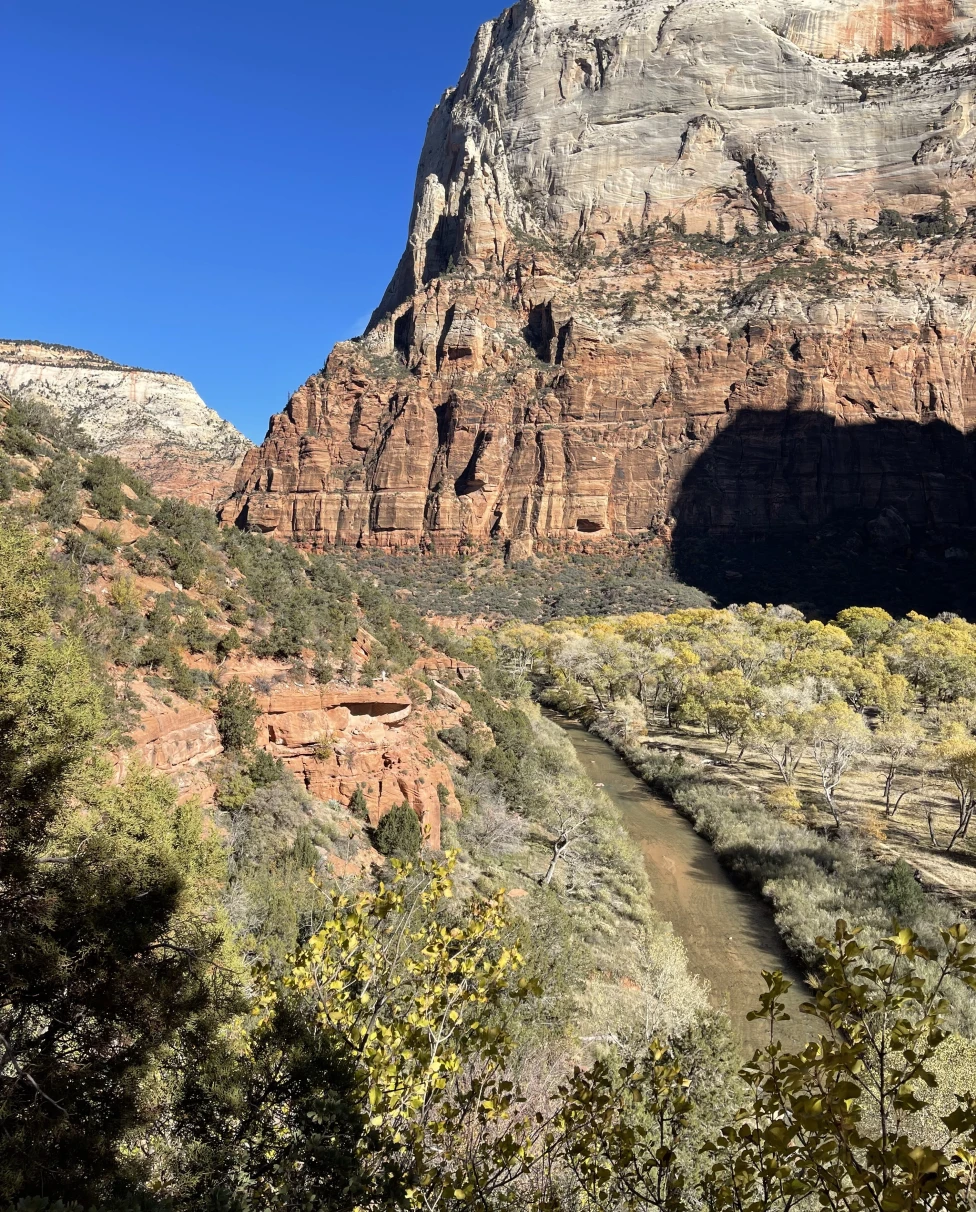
644,233
335,737
151,420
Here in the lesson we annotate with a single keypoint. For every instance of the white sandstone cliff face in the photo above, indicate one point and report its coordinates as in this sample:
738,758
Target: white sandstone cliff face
151,420
577,117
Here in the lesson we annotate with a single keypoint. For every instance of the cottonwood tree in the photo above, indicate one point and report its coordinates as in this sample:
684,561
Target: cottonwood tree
838,736
784,737
731,704
957,753
898,740
567,827
867,626
938,656
593,666
519,646
674,665
628,719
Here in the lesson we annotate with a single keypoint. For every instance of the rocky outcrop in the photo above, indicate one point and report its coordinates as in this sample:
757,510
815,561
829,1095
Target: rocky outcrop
335,738
177,739
151,420
642,228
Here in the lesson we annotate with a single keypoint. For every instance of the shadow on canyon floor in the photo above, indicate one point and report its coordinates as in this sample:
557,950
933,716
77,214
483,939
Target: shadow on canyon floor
791,507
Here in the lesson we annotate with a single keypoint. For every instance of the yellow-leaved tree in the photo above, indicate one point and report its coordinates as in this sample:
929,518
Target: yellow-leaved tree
402,997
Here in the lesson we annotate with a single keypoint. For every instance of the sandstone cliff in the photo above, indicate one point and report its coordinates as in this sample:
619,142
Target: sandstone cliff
664,261
155,422
334,738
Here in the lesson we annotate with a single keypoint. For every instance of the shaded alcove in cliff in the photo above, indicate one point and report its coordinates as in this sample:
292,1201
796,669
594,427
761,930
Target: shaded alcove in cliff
791,507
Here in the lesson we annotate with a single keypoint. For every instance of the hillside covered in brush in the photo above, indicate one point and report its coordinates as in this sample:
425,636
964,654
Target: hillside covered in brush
206,737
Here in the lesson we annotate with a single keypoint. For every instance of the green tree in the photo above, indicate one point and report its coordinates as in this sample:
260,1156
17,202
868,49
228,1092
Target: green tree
237,713
838,736
398,835
784,737
898,739
104,957
104,479
60,482
866,625
229,642
357,804
957,754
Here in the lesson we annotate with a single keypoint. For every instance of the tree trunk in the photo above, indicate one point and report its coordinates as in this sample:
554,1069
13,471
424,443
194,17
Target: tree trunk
558,846
965,816
889,781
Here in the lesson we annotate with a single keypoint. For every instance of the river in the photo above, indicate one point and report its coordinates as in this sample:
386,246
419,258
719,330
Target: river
729,934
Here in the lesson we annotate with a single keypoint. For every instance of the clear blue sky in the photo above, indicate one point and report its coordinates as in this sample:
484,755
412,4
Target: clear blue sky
216,189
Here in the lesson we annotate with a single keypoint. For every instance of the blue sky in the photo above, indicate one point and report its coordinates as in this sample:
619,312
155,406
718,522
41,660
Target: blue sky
220,190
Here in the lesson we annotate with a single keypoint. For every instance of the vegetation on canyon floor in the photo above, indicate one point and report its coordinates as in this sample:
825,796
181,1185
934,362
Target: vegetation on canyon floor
631,577
201,1010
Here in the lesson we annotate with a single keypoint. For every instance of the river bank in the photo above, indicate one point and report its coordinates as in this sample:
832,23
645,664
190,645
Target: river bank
809,880
729,935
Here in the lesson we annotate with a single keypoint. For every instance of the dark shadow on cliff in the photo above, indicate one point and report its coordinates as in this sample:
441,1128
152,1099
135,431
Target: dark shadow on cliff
791,507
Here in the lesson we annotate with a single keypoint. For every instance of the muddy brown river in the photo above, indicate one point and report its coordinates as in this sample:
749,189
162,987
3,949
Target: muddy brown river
729,934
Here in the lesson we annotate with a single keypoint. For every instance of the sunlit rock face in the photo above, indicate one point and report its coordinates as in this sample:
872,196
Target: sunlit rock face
152,420
636,225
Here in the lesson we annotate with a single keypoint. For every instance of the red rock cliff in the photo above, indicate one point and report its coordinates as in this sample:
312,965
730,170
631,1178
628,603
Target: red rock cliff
641,230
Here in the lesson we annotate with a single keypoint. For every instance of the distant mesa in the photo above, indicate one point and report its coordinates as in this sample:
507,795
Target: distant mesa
152,420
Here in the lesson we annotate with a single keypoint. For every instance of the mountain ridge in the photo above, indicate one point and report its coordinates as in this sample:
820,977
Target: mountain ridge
153,420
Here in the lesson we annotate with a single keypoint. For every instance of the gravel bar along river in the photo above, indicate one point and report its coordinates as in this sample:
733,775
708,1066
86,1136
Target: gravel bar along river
729,934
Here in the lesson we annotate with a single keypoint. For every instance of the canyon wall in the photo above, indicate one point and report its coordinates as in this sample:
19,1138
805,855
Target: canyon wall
646,239
155,422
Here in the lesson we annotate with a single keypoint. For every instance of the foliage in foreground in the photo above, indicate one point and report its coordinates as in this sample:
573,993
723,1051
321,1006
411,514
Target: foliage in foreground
405,999
379,1068
107,961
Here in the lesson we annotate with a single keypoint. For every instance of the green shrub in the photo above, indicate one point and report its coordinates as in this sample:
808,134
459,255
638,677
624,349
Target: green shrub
17,440
398,834
195,633
304,853
60,482
233,791
181,677
103,479
229,642
263,769
237,711
903,893
87,548
155,652
357,804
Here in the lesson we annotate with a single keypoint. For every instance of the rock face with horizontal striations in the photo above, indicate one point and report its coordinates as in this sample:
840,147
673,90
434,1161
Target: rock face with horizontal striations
155,422
700,268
